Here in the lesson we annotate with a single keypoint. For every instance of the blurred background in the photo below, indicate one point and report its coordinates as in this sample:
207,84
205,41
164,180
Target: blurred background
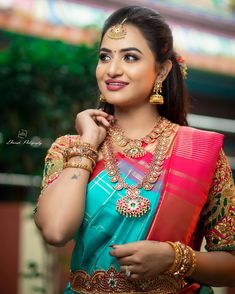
48,54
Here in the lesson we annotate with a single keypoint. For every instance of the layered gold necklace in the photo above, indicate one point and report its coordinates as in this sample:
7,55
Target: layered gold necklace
133,204
135,148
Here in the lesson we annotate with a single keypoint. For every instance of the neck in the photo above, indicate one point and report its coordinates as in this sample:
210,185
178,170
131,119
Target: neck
137,122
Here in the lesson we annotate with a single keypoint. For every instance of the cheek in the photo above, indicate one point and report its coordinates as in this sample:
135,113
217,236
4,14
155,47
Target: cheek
142,72
144,79
99,71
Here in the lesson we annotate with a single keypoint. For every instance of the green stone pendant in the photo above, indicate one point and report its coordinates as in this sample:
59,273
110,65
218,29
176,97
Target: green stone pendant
134,149
133,205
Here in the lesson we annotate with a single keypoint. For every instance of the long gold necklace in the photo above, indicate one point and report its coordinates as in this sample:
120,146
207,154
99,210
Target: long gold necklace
135,148
133,204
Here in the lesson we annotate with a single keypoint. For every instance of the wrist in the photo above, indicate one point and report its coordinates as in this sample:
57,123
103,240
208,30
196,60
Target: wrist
170,256
91,140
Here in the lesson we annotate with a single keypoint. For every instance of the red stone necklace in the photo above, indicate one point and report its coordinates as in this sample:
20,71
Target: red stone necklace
133,204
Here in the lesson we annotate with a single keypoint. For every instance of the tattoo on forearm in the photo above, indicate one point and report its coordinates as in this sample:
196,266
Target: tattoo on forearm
75,176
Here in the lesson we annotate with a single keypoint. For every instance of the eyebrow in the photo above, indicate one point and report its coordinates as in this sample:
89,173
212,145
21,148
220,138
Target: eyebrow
122,50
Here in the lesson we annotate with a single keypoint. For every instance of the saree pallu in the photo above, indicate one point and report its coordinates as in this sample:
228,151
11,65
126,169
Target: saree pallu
176,202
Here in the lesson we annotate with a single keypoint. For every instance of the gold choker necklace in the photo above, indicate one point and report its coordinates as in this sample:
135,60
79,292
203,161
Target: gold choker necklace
133,204
134,148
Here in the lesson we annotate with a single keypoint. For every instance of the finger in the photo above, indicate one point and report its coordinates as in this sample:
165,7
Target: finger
123,250
102,120
134,269
125,260
134,274
136,277
130,268
110,119
95,112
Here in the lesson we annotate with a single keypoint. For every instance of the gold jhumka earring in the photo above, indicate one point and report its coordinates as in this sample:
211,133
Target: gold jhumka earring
156,97
117,31
102,98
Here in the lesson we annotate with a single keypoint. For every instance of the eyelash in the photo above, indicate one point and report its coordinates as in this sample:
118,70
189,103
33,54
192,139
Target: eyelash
127,57
133,57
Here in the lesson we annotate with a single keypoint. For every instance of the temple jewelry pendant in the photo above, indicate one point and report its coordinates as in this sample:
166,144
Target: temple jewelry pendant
133,204
134,149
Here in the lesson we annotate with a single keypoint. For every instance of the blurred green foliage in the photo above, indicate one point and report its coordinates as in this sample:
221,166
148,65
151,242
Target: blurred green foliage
43,84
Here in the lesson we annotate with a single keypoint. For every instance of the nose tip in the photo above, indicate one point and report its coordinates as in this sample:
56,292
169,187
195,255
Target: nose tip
115,69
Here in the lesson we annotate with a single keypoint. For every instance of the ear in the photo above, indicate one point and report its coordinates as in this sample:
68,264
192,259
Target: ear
164,70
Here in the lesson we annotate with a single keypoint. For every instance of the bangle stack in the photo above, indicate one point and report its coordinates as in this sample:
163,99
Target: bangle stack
82,150
185,260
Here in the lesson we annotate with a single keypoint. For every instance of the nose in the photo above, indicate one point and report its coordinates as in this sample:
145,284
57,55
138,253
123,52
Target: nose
115,68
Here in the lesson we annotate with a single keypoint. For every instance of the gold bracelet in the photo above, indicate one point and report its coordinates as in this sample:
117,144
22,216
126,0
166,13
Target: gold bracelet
89,146
177,261
188,262
78,165
193,262
81,150
81,156
185,260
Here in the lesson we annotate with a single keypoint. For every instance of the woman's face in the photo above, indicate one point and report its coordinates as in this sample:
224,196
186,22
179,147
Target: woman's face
127,69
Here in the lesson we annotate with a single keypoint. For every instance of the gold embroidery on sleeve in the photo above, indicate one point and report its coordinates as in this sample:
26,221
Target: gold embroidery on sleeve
54,160
219,213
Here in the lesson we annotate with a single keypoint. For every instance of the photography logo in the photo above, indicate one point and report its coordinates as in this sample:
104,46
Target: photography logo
23,140
22,134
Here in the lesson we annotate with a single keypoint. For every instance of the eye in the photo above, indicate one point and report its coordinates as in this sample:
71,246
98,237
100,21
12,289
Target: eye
130,58
104,57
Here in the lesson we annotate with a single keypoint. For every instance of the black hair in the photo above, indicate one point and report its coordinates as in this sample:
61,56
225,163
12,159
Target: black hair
159,37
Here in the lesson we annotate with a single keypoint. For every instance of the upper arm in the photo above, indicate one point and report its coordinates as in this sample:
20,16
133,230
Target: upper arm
219,213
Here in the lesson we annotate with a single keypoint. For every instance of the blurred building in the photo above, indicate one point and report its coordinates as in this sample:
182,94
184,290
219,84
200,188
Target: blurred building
204,34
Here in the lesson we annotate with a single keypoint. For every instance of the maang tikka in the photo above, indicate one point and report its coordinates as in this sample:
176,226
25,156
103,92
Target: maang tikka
156,97
117,31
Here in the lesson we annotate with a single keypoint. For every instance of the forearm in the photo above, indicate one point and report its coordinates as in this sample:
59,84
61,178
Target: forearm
215,269
61,206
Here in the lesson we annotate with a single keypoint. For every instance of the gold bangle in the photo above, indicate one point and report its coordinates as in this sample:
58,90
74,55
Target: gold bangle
88,145
81,150
177,261
81,157
193,262
185,260
78,165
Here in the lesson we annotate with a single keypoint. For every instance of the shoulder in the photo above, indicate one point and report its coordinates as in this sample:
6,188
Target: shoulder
199,134
200,145
199,139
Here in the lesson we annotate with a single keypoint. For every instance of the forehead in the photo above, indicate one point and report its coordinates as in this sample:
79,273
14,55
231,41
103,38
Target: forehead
133,38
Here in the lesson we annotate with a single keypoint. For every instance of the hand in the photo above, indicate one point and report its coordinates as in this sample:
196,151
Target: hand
91,125
145,259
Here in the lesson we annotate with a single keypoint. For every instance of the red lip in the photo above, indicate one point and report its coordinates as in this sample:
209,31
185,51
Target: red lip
115,85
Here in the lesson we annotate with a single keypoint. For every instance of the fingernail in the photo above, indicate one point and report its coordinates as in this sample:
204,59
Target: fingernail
113,245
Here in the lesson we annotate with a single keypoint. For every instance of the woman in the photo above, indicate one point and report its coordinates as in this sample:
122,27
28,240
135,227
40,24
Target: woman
137,189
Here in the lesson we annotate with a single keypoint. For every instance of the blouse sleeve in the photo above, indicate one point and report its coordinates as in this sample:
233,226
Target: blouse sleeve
219,213
54,160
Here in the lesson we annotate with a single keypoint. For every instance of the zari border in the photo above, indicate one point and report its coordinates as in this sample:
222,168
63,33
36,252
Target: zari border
112,281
